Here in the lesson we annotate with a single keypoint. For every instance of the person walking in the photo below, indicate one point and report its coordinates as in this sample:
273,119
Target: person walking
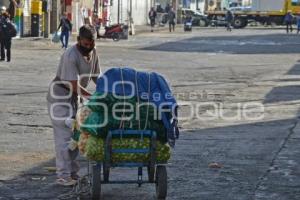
7,32
66,28
167,8
12,9
298,22
78,65
288,19
171,17
97,25
152,17
229,19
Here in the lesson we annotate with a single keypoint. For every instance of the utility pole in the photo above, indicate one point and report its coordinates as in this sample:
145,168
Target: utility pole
118,11
131,22
130,13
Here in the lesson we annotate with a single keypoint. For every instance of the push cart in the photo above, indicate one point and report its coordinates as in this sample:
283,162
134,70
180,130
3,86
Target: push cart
157,172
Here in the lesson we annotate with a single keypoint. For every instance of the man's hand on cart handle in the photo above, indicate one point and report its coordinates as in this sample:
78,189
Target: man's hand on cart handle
78,89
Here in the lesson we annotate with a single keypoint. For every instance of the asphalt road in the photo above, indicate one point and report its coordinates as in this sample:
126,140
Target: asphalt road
239,97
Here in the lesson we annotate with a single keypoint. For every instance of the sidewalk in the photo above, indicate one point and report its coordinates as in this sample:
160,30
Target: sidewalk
34,42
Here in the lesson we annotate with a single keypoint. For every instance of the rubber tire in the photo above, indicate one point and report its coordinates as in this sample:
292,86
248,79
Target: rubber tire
115,37
151,174
96,183
245,24
239,22
161,182
203,23
106,171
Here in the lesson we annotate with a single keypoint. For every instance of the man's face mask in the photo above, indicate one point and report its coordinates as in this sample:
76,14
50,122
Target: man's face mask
86,46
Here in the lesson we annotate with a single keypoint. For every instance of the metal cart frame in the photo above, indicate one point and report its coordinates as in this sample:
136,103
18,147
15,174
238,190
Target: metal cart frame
157,172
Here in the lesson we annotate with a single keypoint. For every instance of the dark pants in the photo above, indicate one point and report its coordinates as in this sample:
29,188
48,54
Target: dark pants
98,30
152,23
171,26
289,27
5,45
228,26
64,35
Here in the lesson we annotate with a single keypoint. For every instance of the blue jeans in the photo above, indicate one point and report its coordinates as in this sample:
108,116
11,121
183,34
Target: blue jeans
64,34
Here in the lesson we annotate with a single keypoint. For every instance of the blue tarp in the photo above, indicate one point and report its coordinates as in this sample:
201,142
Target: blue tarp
150,87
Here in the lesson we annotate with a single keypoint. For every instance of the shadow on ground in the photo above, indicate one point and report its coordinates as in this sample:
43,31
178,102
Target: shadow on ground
244,151
286,93
283,94
258,161
295,70
268,44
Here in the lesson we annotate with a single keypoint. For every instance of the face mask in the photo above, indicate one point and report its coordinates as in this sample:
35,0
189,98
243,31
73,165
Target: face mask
84,50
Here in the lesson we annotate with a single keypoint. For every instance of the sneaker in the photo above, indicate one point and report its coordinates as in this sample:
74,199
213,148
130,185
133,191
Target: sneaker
66,181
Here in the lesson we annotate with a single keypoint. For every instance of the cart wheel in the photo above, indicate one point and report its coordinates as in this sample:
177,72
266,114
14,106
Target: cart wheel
96,182
161,182
106,171
151,173
115,37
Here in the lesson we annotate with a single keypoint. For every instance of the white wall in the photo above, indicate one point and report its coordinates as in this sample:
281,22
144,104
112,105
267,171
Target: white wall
140,9
114,11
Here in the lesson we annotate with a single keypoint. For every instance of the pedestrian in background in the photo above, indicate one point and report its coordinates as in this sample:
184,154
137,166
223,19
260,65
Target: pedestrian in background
66,28
228,19
12,9
171,17
288,19
298,22
7,32
152,17
167,8
80,60
97,24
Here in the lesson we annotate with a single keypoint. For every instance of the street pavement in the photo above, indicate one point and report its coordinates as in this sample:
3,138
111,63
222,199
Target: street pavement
239,106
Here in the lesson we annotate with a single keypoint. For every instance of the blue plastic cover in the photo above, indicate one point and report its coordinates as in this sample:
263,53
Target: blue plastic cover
150,87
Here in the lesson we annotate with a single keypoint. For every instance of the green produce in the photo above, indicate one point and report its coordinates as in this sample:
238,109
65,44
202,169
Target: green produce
101,120
94,149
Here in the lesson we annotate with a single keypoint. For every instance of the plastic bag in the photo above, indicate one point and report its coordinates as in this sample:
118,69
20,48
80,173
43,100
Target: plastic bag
56,37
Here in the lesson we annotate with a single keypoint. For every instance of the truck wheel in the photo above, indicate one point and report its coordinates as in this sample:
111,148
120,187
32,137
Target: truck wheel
202,23
161,182
245,24
239,22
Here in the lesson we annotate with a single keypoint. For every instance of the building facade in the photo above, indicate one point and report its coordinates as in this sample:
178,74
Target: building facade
39,18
